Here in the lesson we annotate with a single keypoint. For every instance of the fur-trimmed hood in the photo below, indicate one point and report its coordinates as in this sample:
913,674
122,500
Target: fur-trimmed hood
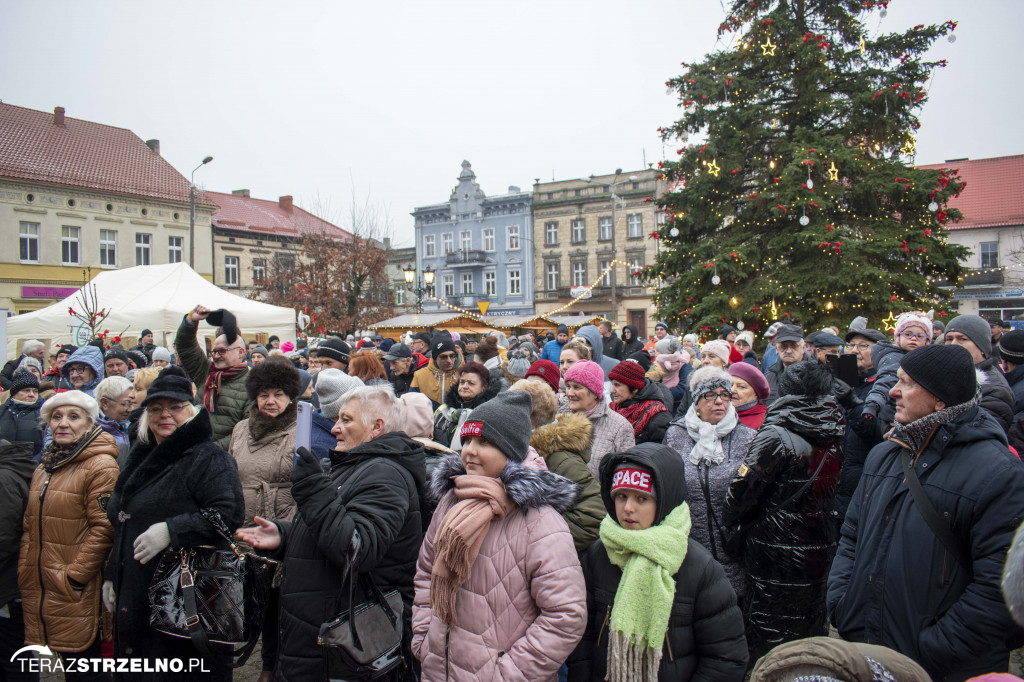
528,488
570,431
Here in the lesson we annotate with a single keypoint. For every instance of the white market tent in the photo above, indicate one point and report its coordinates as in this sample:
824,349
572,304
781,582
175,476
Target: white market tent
150,297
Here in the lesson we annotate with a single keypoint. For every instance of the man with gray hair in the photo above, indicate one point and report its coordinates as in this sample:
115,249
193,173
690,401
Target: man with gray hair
364,515
32,349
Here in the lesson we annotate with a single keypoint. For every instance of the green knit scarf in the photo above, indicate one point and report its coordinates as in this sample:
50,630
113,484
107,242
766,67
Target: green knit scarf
649,560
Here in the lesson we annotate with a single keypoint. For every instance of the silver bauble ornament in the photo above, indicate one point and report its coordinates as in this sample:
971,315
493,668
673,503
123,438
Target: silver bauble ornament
804,220
933,207
810,184
716,280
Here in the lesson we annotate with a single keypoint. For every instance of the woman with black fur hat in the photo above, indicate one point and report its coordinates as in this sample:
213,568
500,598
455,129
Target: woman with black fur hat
172,472
263,447
782,498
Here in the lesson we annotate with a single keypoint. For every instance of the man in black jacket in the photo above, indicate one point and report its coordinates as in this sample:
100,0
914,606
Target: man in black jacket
894,581
400,367
363,516
611,344
16,467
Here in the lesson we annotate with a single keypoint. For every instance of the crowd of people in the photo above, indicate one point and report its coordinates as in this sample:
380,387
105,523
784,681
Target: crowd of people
580,505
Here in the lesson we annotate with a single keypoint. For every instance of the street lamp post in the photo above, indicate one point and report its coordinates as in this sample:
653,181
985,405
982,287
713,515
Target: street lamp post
192,214
612,186
425,285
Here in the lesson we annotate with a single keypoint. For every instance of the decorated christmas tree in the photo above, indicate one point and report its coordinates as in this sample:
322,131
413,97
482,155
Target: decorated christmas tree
799,199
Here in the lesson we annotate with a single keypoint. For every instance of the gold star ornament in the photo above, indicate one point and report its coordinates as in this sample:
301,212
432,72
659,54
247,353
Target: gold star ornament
889,323
833,172
713,168
768,48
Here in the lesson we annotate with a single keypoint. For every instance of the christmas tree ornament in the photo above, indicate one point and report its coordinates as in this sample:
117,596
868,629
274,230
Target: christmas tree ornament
833,172
674,232
716,280
768,47
740,325
933,207
805,221
810,183
951,38
713,168
889,323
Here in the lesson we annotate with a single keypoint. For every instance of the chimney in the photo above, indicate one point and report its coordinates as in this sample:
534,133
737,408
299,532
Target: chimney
241,193
512,189
58,116
387,243
154,145
285,202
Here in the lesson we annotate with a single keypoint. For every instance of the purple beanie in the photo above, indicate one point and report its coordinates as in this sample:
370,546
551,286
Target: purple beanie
753,376
589,375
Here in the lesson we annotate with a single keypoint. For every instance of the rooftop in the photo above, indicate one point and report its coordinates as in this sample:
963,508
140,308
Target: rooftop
52,148
994,196
280,218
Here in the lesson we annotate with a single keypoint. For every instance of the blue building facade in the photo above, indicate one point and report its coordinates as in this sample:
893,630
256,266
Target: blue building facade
480,248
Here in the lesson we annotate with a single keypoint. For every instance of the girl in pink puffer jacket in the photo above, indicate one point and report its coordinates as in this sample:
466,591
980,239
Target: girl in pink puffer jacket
499,589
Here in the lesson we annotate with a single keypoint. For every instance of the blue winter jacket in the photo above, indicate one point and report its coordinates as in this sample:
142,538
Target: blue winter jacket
894,583
552,351
92,356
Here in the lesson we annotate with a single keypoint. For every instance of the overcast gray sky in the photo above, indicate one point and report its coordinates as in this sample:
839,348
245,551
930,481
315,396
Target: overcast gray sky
311,98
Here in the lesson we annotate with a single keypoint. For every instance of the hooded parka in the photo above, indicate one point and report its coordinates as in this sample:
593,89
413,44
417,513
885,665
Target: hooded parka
88,355
564,444
166,483
232,404
894,583
264,448
631,342
66,536
787,553
705,628
521,611
593,337
365,514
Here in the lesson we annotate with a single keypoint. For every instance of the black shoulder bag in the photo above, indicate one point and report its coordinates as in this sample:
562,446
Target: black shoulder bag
736,539
939,527
211,595
364,642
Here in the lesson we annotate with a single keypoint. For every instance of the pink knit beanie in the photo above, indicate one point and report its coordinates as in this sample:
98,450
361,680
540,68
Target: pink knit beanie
589,375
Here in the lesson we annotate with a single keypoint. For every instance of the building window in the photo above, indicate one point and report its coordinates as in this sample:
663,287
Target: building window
514,283
490,284
259,271
606,278
142,250
447,243
108,248
579,274
579,231
174,249
285,262
636,185
551,233
429,246
513,237
489,239
636,265
231,271
552,277
604,228
576,192
467,282
636,225
29,237
400,294
989,254
448,285
69,245
466,240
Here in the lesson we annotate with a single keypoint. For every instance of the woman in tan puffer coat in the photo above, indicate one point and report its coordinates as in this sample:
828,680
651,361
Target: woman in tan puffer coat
66,536
499,589
264,448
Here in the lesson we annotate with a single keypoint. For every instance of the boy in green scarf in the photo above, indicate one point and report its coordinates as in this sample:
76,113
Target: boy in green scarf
659,606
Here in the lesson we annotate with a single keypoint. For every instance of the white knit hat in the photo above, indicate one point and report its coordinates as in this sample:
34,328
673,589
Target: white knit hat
82,401
331,385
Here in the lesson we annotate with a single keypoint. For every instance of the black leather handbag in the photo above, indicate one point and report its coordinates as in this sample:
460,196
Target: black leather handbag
365,642
211,595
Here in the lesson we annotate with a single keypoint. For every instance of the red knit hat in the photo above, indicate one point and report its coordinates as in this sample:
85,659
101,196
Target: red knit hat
734,355
628,372
546,370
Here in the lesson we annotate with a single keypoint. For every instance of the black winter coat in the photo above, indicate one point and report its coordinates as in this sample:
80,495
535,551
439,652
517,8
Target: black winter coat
787,554
633,343
447,417
20,424
861,436
894,583
654,430
1015,380
705,629
169,482
996,396
364,514
16,468
612,347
